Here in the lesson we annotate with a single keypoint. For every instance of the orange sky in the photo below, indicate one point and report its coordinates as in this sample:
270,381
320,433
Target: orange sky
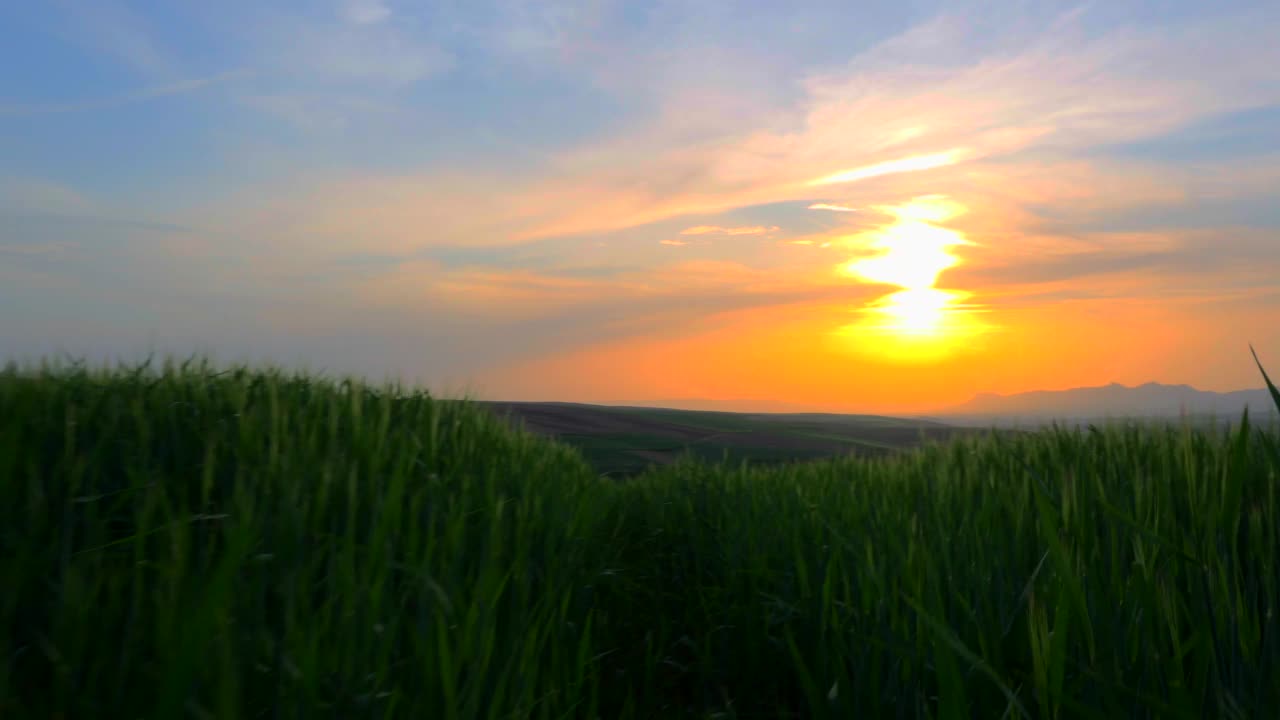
840,357
808,206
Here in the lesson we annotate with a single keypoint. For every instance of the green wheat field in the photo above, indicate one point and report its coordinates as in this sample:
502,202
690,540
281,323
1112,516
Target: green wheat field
189,541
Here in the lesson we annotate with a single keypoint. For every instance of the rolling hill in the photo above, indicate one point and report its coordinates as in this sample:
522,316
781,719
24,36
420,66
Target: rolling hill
626,440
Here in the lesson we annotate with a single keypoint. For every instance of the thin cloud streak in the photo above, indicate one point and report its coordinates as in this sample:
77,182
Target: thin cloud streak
150,93
910,164
112,29
361,50
717,230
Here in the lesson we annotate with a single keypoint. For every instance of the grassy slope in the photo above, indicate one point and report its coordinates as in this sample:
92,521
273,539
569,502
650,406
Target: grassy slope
259,545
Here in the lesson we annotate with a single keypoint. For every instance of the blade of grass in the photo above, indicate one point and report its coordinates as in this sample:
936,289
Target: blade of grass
1275,392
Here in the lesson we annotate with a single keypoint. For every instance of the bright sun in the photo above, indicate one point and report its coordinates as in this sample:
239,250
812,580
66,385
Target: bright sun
913,255
920,321
917,313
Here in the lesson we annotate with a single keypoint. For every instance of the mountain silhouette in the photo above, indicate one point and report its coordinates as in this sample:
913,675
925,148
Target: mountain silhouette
1151,400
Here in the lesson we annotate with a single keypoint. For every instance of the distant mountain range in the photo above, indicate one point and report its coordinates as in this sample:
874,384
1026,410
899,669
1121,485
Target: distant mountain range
1152,400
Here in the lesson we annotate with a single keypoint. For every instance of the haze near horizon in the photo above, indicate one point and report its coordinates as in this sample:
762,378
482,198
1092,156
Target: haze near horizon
886,207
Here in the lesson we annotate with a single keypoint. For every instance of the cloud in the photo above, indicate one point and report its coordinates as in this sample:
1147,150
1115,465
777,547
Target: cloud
499,293
1016,119
717,230
332,215
38,249
908,164
365,12
316,111
115,30
916,105
361,48
525,28
149,93
1151,263
1037,102
806,242
31,195
388,58
492,317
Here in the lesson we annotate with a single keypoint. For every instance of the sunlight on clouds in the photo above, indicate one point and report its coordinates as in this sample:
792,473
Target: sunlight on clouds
717,230
919,322
910,164
886,114
914,251
917,313
832,207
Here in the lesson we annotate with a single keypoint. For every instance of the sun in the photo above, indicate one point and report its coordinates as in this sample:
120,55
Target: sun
916,313
912,255
919,321
912,251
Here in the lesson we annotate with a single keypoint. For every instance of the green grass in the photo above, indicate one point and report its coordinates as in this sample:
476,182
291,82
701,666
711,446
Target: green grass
184,542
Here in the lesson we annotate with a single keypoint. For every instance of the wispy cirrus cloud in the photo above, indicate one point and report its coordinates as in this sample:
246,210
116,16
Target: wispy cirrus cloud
114,29
907,164
365,12
337,51
806,242
1062,90
1021,111
32,195
542,313
717,230
316,111
148,93
1025,112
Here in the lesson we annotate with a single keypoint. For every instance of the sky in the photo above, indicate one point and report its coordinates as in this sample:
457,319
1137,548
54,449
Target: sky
851,207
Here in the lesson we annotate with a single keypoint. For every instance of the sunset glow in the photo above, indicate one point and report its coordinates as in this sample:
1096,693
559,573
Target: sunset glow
919,162
917,313
912,255
821,207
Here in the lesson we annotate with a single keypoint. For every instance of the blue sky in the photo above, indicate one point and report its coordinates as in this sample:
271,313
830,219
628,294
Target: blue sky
506,196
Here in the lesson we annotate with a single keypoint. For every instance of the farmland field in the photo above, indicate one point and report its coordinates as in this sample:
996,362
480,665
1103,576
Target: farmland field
619,441
189,541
